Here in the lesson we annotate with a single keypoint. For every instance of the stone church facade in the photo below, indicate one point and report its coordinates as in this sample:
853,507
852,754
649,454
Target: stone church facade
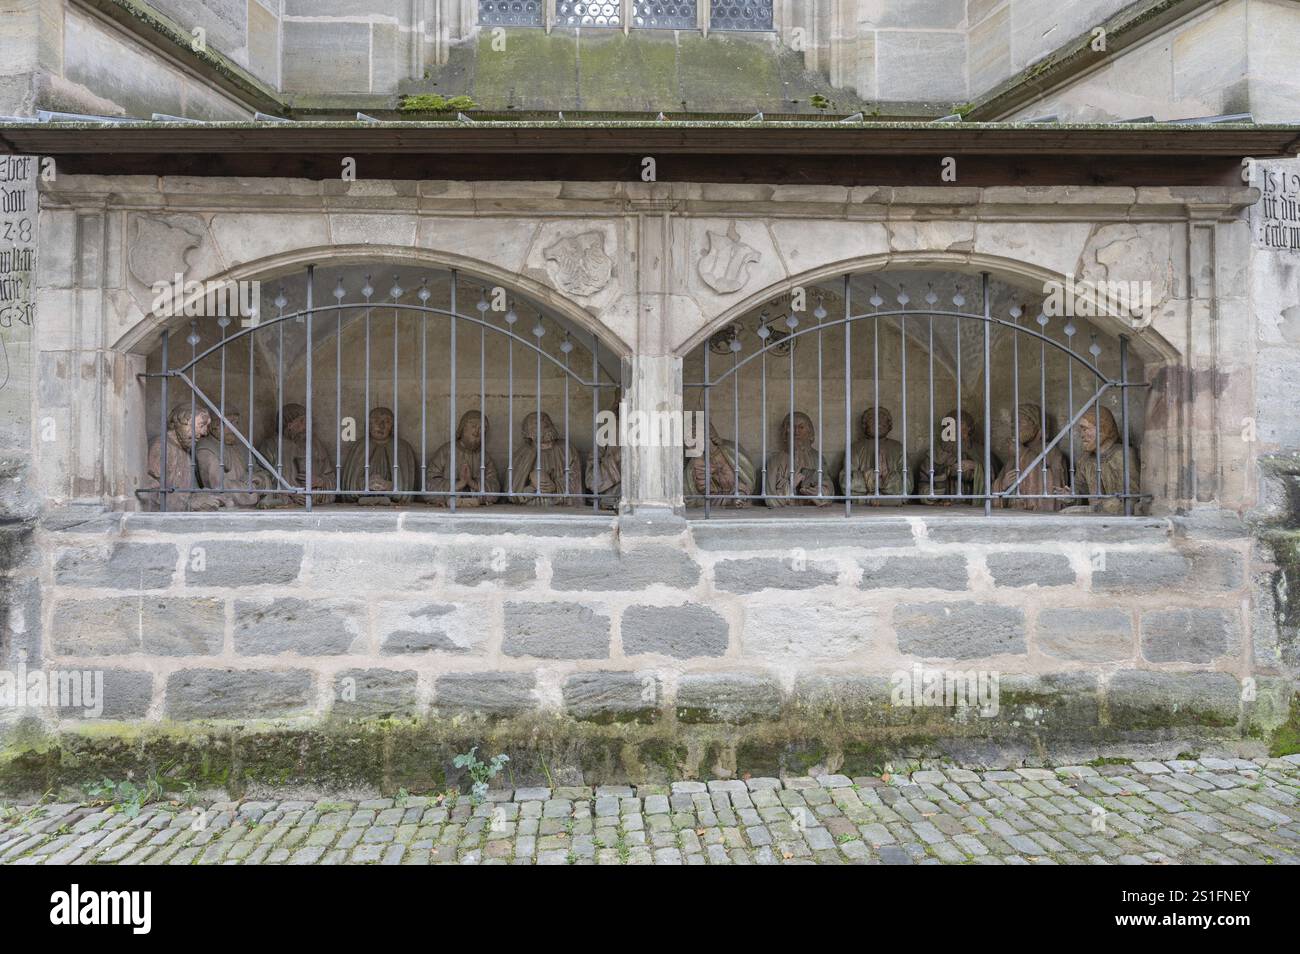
514,262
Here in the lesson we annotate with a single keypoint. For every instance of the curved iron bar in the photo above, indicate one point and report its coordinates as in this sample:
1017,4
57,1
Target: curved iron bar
421,309
912,312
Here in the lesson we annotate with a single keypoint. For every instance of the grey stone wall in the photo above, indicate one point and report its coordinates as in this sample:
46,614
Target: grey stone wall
279,615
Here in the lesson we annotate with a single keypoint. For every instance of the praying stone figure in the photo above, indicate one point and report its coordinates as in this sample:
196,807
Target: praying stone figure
184,428
292,427
728,472
607,483
222,462
804,461
951,476
865,464
1030,423
471,442
539,466
387,472
1112,465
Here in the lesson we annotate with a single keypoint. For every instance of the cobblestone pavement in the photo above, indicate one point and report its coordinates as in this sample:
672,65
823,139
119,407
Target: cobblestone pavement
1216,811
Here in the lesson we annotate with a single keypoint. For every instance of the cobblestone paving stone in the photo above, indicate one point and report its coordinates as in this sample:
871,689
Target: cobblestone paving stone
1209,811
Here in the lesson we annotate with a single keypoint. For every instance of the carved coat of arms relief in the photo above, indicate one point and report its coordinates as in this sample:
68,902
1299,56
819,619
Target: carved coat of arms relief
579,263
724,267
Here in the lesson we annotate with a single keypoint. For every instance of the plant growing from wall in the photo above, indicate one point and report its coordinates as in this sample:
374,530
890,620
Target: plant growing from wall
435,103
481,772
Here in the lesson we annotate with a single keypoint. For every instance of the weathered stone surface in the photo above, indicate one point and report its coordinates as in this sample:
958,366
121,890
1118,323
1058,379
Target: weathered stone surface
287,521
242,563
612,696
374,693
936,573
727,697
426,627
752,574
487,693
278,625
489,524
816,631
555,631
1189,635
679,631
1041,528
20,626
1086,635
127,694
159,626
496,566
757,534
1057,703
1030,569
959,630
1138,699
1204,569
864,699
348,565
630,569
123,566
238,694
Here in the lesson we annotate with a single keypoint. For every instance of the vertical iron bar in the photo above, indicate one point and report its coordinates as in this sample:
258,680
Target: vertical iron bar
397,457
482,411
763,404
252,419
1096,420
162,435
424,387
875,397
988,405
790,436
338,390
1042,402
454,472
1123,391
1015,395
279,397
902,333
221,437
595,412
960,453
931,358
848,395
194,333
1069,384
365,423
537,423
311,283
708,446
735,423
821,433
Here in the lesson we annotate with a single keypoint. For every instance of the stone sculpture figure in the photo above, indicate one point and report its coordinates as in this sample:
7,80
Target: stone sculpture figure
476,471
291,435
728,471
545,464
607,480
185,427
222,462
800,471
389,471
1103,434
1030,422
890,464
951,476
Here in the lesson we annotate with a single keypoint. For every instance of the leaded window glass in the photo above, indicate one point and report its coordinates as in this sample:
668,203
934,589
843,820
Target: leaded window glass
664,14
742,15
579,13
511,13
